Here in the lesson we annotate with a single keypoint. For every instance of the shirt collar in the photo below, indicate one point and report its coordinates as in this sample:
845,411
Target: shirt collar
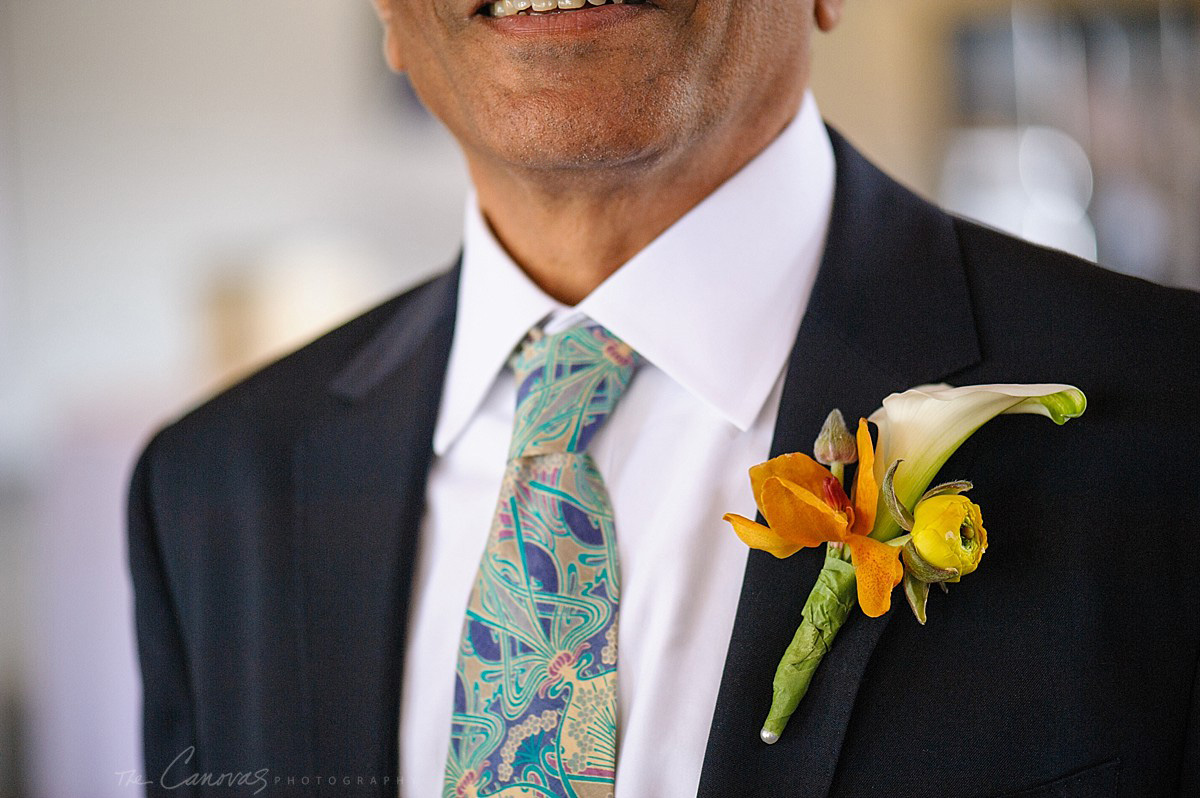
715,301
497,306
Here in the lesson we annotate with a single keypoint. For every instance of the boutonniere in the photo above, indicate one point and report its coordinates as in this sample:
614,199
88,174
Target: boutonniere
892,527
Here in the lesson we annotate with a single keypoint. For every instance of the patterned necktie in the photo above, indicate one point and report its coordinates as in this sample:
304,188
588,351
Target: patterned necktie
535,698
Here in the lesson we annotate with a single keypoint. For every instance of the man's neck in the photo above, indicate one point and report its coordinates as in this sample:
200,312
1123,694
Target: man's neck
570,232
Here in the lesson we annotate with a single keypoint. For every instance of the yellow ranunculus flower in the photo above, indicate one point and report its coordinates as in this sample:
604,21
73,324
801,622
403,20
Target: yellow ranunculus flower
948,533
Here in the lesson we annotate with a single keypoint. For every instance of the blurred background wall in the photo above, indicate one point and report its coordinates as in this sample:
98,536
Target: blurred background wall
1074,123
188,189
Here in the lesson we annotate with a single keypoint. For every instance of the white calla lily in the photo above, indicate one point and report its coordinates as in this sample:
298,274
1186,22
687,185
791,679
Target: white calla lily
924,426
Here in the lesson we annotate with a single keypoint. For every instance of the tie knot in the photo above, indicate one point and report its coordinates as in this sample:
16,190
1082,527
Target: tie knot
567,385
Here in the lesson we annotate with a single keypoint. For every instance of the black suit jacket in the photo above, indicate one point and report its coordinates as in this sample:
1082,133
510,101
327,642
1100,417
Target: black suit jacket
273,532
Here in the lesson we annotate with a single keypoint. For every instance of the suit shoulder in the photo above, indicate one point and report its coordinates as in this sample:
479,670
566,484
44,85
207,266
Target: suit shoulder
1046,316
284,394
1033,276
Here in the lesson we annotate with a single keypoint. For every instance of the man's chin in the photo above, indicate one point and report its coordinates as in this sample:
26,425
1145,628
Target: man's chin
597,133
619,153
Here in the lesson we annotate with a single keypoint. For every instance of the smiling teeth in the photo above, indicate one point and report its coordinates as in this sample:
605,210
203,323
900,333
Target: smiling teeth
506,8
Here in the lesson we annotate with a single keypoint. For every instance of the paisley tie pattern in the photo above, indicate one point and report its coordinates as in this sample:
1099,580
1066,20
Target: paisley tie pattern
535,699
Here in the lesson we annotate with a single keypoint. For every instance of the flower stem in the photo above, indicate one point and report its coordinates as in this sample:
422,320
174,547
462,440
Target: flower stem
839,471
827,608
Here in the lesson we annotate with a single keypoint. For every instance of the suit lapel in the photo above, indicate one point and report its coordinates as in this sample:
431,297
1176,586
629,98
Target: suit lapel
360,481
890,310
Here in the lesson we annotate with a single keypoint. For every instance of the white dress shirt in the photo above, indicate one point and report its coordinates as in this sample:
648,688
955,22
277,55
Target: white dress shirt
713,306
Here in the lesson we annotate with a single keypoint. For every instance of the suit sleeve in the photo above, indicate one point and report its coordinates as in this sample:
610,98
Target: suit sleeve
168,720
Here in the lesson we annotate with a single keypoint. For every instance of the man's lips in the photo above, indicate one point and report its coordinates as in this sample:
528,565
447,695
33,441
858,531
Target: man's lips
506,8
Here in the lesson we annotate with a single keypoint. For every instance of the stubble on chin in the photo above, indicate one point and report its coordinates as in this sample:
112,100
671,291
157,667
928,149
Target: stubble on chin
581,131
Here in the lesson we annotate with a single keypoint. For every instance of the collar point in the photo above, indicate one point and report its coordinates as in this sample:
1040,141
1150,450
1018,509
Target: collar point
745,416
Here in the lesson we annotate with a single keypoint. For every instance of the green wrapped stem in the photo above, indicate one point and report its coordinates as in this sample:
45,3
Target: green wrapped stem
827,608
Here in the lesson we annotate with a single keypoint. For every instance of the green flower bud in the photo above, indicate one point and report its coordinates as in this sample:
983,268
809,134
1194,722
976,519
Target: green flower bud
835,444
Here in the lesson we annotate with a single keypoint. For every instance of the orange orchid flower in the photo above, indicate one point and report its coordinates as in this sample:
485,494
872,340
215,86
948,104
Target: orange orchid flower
804,505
